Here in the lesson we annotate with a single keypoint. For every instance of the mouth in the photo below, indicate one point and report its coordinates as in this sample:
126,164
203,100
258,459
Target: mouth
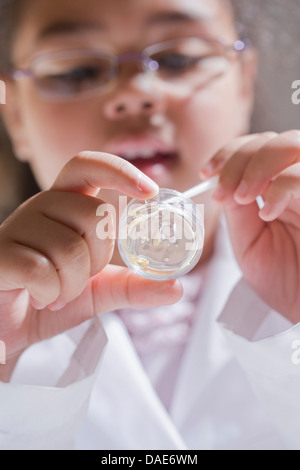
154,164
154,159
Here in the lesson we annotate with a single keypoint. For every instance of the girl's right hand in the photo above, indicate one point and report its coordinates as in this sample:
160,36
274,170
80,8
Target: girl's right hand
54,270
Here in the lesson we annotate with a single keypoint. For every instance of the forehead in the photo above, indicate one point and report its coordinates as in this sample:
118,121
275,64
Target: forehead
121,20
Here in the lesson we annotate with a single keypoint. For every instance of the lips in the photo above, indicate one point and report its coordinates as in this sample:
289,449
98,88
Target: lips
152,157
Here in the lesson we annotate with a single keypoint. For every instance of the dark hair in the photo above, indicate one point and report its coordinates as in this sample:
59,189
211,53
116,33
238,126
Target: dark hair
17,182
8,17
11,11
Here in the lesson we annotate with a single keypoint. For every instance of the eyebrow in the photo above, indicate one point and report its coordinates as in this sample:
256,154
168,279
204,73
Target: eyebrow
171,17
65,28
164,17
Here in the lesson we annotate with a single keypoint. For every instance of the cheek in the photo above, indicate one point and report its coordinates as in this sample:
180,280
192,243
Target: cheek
209,119
57,129
56,133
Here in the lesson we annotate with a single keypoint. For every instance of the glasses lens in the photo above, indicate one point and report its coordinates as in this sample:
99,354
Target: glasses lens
189,58
63,77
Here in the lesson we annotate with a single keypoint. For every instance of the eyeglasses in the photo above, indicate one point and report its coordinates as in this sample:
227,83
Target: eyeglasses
77,74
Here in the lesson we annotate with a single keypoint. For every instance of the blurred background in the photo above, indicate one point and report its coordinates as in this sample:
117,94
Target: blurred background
273,26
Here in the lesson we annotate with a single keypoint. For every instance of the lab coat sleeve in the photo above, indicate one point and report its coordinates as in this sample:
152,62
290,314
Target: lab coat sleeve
45,417
267,347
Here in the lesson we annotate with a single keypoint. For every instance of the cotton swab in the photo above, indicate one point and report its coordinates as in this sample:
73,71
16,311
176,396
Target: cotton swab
203,187
210,184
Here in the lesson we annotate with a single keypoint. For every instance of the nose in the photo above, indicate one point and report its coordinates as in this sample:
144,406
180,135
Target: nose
136,97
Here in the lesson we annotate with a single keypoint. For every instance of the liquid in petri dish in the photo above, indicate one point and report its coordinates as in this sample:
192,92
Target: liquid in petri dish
161,239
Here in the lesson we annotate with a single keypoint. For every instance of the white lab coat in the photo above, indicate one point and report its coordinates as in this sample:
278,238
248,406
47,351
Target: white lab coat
238,384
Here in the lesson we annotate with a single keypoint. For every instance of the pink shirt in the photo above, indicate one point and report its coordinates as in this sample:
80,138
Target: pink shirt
160,335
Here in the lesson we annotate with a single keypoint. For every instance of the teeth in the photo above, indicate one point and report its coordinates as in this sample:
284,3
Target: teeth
146,153
129,155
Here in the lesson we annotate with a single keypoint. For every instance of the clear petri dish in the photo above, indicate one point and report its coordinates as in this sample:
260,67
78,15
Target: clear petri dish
163,238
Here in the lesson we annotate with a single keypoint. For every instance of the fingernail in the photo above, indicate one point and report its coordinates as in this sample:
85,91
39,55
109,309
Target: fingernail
266,210
146,185
56,307
37,305
208,169
242,190
213,166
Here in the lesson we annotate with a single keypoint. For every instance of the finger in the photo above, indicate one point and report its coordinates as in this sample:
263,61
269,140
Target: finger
60,234
112,289
64,249
245,227
22,267
127,289
234,168
79,213
267,164
217,163
284,189
91,171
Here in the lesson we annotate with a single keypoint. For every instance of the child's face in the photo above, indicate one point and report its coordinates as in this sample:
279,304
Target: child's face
183,125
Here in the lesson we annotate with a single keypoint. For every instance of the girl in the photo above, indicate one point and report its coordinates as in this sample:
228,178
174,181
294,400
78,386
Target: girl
126,97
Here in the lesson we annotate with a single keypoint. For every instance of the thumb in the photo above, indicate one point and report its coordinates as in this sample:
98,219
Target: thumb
112,289
117,287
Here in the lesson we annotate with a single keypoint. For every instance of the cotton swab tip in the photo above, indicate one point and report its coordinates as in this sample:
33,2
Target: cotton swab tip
203,187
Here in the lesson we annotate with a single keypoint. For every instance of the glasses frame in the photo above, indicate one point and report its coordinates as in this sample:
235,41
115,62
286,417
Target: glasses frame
144,57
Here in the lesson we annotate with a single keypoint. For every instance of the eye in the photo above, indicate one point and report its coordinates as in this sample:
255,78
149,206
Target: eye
176,63
69,76
80,74
183,56
72,81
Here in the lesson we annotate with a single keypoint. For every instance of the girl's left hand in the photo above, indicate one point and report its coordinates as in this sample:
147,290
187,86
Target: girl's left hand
266,242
